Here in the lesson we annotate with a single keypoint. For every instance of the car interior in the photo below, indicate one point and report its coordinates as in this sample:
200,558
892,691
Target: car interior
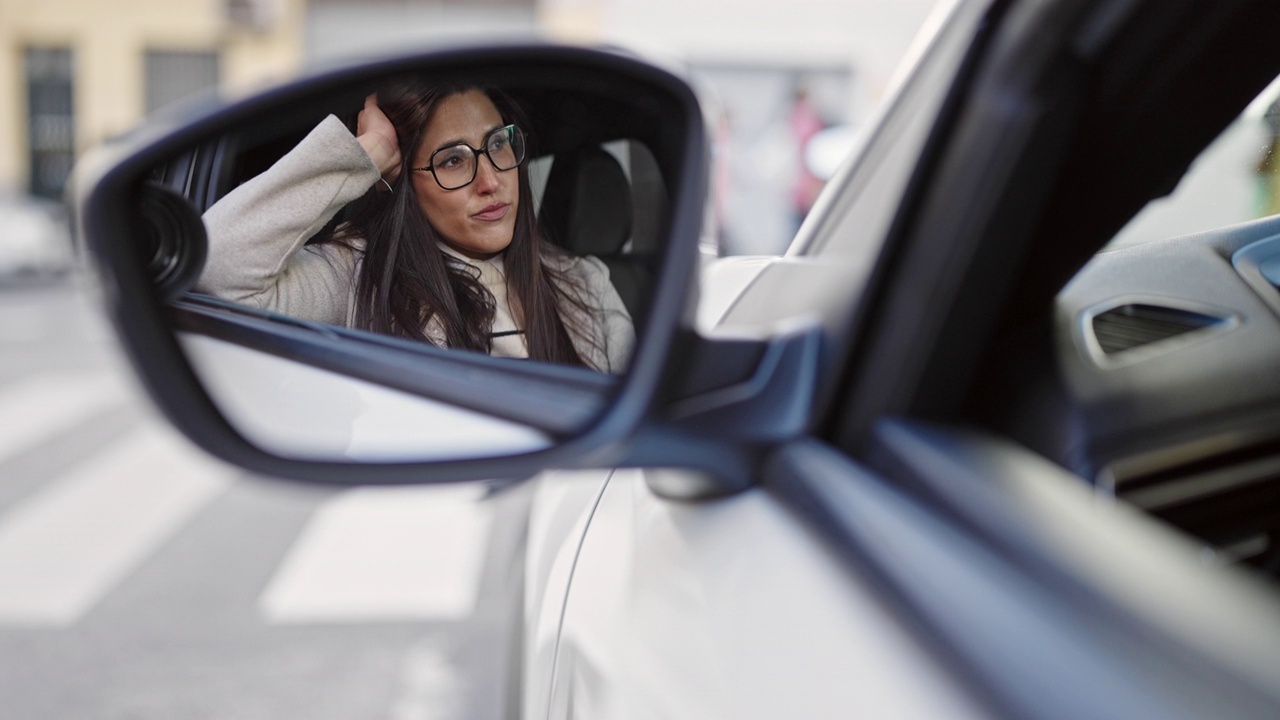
1168,348
1155,376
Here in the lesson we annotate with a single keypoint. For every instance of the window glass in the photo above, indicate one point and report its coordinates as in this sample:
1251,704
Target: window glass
833,254
1234,180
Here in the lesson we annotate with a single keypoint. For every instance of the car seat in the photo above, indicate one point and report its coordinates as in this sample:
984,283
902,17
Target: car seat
591,207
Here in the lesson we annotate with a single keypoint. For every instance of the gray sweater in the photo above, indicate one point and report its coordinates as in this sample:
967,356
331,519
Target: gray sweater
258,256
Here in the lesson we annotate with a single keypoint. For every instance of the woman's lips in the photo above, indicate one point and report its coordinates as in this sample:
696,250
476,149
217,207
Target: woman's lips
493,212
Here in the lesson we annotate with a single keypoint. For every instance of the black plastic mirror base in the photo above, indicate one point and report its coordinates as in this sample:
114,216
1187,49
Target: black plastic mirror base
735,400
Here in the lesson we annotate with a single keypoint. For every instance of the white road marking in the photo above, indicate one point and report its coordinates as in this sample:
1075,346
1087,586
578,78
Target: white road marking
42,406
42,315
430,688
64,548
23,325
384,554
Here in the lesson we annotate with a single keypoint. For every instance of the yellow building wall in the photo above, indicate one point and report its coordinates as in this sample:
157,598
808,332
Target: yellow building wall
572,21
109,40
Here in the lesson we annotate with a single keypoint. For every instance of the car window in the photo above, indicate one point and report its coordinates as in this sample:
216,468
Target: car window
836,248
1168,341
1234,180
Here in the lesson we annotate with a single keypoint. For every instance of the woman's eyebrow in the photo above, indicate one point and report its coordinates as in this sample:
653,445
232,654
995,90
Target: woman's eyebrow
460,141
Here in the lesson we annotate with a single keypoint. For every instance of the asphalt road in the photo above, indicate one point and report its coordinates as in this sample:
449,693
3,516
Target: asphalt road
140,578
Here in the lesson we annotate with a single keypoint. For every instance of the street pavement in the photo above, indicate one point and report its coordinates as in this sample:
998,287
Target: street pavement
141,578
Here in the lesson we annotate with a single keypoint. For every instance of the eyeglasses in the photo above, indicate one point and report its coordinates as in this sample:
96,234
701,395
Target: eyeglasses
455,166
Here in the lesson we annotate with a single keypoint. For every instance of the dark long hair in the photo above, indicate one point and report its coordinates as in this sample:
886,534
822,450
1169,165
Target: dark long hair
406,280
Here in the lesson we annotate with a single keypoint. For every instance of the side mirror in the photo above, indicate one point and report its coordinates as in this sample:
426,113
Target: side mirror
329,399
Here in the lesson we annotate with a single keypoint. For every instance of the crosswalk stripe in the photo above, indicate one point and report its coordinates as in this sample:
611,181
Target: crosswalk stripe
384,554
62,549
429,686
21,325
40,407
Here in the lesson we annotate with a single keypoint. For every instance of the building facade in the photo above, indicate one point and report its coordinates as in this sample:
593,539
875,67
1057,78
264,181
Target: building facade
76,72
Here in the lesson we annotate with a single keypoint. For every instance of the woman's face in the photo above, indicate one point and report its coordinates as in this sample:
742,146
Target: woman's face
478,219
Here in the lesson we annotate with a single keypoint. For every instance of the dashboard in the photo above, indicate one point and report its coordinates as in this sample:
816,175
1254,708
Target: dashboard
1169,354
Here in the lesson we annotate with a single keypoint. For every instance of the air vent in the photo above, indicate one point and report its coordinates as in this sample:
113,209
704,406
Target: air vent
1135,325
1229,499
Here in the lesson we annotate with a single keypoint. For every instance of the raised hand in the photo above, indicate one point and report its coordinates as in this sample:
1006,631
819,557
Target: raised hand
377,136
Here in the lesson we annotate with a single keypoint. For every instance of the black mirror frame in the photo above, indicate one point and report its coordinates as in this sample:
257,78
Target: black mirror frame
103,189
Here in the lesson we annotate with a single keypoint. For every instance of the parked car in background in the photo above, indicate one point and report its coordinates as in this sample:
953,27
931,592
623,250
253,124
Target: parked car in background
35,238
943,458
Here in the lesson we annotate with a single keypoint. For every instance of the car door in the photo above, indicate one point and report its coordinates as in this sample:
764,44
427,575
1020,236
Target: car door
687,609
986,574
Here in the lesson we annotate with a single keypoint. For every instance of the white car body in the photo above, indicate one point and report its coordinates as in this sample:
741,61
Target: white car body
688,610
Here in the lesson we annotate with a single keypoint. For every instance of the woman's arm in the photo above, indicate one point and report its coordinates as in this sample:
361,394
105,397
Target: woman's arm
257,232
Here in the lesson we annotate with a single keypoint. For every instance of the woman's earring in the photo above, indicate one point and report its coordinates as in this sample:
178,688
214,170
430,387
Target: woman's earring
384,182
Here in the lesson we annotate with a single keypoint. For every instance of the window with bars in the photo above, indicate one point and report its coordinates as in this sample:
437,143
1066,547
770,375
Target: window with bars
50,119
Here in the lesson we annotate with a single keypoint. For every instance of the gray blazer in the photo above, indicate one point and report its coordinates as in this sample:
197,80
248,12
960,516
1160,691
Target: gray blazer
257,252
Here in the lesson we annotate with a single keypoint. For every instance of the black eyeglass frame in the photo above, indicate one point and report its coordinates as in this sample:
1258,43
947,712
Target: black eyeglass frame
475,153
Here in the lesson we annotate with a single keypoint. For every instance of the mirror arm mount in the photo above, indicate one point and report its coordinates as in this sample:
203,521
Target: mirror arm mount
730,401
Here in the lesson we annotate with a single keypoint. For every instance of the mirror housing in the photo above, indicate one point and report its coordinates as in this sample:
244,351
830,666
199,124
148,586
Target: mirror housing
147,252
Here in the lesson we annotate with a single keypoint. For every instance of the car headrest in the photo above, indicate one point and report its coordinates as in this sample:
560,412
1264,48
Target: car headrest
586,207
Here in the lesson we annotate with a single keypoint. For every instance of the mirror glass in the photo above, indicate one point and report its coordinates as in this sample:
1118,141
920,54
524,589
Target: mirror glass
425,264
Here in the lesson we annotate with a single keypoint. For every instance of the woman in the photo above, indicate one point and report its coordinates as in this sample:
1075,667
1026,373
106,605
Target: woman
439,242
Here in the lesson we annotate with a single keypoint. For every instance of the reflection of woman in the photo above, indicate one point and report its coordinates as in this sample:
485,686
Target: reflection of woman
439,242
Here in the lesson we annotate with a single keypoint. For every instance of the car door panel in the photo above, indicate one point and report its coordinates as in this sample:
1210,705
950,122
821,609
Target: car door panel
559,513
686,610
1063,530
1077,575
